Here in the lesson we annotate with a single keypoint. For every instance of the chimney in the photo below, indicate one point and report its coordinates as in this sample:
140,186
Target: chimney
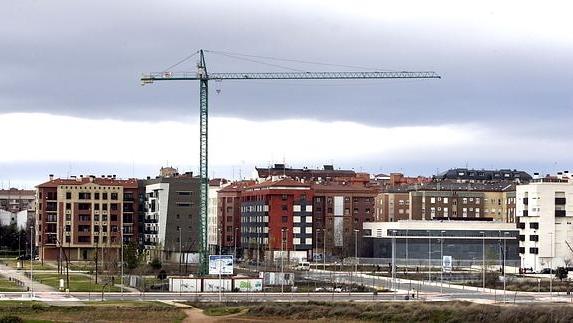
51,176
113,176
559,175
92,177
148,177
535,175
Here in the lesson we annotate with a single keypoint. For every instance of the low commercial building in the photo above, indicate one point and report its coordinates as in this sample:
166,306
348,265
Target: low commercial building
544,209
418,242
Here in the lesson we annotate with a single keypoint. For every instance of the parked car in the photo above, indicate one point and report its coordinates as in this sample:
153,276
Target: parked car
23,257
547,271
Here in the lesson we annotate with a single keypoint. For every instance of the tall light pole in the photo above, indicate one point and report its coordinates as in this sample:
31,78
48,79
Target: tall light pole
356,251
442,256
551,268
324,249
282,259
235,242
504,269
393,262
483,259
122,242
179,229
429,257
32,261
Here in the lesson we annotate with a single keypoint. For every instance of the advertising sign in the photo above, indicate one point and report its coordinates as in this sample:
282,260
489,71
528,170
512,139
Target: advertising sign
249,285
447,264
220,264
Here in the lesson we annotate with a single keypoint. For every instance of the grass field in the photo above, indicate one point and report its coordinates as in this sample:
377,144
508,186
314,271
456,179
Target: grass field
9,286
78,283
399,312
26,264
100,312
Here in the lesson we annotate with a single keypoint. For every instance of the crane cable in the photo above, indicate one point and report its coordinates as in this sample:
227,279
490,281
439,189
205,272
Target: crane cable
180,62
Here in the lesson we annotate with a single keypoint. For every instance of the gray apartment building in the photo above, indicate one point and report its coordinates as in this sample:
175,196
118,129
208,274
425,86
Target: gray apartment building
171,221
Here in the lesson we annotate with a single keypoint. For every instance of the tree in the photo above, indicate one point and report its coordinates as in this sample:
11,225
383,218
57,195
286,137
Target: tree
561,273
155,264
132,256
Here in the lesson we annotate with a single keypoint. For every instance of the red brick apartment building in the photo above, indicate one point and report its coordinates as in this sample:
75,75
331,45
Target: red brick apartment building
74,216
229,215
276,216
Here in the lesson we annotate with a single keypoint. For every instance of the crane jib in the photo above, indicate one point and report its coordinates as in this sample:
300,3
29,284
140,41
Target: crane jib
189,76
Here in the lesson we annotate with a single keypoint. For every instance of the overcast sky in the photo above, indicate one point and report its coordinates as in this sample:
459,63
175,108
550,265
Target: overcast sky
71,103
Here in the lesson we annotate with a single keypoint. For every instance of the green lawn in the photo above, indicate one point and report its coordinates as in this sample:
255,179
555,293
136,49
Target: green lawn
26,264
9,286
78,283
102,312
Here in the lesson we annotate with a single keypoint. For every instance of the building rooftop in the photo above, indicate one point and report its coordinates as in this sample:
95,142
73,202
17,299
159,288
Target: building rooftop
104,181
466,174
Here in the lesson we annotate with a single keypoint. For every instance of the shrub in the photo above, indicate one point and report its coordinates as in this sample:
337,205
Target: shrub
11,319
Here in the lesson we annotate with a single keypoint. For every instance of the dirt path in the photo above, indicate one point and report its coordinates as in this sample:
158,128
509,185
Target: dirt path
197,315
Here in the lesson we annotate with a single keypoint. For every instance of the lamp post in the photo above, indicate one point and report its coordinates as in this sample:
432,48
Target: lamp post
179,230
483,259
442,256
505,234
122,242
429,256
551,269
356,251
32,261
282,259
393,262
235,244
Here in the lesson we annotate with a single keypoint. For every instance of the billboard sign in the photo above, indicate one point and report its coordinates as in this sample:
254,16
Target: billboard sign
447,264
220,265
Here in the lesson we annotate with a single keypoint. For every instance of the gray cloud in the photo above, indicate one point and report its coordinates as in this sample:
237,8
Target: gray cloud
84,58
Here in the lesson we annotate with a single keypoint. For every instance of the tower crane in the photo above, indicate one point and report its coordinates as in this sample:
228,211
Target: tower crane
203,77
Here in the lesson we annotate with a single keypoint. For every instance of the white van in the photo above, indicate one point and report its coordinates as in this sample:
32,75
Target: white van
302,265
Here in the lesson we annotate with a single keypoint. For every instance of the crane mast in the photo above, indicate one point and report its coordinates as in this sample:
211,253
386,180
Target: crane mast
203,77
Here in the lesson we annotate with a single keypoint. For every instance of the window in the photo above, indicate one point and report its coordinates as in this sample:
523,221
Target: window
68,195
445,200
432,200
84,196
104,196
113,217
284,197
96,196
284,207
114,196
534,225
68,206
533,238
184,193
113,206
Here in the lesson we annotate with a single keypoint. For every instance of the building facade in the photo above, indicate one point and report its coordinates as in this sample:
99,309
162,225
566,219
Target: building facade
78,216
213,226
421,242
544,209
339,212
277,220
171,216
229,217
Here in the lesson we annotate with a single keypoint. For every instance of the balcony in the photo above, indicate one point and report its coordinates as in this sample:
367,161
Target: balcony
150,231
150,220
560,213
525,213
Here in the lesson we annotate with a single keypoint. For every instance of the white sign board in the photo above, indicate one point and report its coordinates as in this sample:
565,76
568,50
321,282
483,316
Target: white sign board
220,265
249,285
215,285
447,264
184,285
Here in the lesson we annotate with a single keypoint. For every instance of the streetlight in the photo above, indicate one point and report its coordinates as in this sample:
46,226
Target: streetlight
356,250
179,230
393,262
429,256
32,261
282,258
324,249
442,256
483,259
504,269
551,268
235,242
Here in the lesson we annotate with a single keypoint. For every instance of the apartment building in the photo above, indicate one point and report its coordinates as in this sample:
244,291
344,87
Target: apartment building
15,200
465,175
544,209
78,215
229,217
213,227
393,204
277,219
171,221
327,174
339,212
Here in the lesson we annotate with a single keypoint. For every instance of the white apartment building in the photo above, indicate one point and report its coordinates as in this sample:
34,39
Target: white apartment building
544,209
212,213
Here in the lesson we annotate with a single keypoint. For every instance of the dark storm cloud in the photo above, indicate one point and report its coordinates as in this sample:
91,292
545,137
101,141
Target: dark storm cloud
83,58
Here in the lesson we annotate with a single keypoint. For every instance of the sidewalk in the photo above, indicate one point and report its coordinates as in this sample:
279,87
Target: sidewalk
10,272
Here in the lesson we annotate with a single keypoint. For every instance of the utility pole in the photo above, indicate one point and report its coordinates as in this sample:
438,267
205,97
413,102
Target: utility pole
203,77
32,260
